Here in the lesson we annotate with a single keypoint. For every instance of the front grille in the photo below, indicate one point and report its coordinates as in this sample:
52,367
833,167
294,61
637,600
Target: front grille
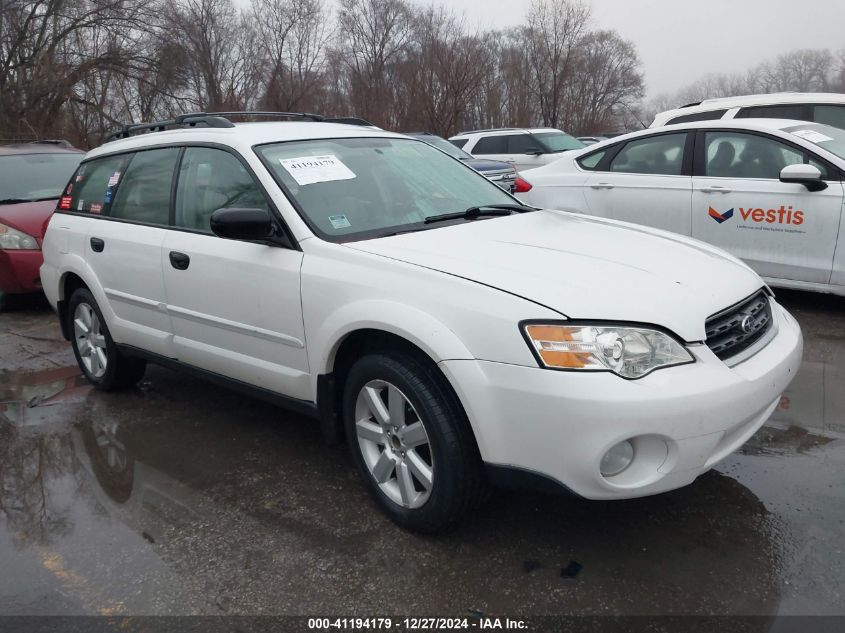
505,178
735,329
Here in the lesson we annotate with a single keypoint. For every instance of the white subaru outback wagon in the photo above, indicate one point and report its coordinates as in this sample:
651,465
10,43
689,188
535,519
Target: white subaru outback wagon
453,336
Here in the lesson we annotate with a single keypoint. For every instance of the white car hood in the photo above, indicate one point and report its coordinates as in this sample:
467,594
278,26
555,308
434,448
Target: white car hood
583,267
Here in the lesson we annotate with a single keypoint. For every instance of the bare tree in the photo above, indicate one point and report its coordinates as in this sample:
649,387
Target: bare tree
375,34
606,84
294,36
46,48
446,68
555,28
216,45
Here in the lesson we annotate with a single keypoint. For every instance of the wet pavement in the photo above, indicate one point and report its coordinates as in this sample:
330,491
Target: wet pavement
183,498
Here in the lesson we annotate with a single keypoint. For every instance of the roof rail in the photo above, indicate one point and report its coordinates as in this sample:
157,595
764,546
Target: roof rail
349,120
492,129
208,119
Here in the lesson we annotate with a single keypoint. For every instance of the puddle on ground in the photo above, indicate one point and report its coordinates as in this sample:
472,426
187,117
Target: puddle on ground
39,397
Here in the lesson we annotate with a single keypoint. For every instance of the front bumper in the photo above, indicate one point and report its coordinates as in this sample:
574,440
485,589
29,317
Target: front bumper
681,420
19,271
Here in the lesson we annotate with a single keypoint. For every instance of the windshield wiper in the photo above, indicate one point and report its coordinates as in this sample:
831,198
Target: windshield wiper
484,210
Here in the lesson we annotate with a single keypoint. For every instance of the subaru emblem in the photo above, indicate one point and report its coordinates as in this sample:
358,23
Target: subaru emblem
747,324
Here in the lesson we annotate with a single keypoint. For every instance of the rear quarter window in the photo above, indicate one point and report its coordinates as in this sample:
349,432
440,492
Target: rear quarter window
797,111
710,115
92,186
830,115
591,161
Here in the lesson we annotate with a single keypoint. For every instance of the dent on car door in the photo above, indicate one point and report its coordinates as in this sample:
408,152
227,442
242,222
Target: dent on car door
782,230
123,248
645,182
235,305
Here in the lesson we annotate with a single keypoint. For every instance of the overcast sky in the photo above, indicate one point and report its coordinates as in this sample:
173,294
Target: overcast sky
681,40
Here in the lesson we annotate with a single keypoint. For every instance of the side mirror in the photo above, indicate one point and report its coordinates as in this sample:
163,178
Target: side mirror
806,175
242,224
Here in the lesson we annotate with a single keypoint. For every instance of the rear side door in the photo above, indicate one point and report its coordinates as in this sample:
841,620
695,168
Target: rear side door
645,181
129,196
235,305
492,148
782,230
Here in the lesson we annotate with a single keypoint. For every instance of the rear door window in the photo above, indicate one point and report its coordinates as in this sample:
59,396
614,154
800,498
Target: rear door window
491,145
459,142
143,193
87,191
658,155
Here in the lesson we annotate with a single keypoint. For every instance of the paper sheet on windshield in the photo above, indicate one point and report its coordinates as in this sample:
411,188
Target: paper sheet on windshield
812,136
307,170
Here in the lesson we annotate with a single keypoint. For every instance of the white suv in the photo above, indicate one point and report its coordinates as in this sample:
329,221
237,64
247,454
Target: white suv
452,335
826,108
523,148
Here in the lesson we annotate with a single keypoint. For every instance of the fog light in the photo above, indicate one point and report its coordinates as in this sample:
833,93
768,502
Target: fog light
617,459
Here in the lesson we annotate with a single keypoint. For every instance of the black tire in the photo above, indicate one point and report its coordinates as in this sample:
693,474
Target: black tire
121,371
458,484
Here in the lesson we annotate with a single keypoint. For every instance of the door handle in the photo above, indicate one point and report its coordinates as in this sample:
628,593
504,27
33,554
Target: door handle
97,245
602,185
715,189
179,261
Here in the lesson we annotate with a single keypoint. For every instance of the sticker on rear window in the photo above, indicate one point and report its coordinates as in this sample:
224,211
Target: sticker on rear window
812,136
307,170
115,177
80,204
96,208
339,221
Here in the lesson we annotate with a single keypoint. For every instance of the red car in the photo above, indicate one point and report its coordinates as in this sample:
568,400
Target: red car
32,177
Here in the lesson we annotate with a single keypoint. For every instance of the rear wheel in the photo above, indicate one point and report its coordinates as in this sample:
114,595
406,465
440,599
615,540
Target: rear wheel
411,440
103,365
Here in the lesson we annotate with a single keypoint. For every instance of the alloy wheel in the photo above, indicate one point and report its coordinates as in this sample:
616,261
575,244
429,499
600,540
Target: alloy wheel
89,339
394,444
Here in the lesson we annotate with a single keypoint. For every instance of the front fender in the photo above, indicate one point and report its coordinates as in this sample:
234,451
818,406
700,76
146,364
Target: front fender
417,327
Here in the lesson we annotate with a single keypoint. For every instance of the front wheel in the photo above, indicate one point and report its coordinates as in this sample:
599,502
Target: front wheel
103,365
412,442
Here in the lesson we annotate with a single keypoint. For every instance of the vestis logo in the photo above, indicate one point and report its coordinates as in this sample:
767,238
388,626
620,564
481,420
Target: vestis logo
721,217
782,215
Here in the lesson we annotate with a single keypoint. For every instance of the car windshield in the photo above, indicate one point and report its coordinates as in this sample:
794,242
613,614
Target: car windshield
359,188
830,138
37,176
559,141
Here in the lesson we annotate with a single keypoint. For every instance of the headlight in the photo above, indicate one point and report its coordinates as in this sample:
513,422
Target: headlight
630,352
12,239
